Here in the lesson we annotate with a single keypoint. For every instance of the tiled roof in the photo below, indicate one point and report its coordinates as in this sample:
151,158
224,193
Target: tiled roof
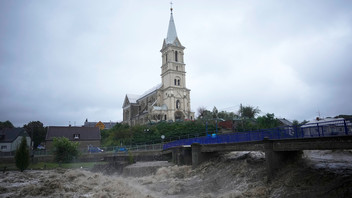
9,135
86,133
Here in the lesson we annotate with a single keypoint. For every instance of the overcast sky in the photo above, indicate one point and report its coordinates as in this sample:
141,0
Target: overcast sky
65,61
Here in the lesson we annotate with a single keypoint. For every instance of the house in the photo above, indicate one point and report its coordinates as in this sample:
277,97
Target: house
284,122
100,124
10,139
326,126
86,136
169,100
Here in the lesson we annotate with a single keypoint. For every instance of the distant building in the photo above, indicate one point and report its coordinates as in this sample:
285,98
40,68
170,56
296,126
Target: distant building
86,136
10,139
169,100
100,124
284,122
326,126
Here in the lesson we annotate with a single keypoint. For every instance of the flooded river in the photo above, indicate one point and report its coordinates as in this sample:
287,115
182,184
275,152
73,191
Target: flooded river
237,174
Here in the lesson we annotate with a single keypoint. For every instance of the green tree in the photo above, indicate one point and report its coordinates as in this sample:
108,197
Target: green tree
22,155
64,149
36,130
295,123
6,125
248,111
227,115
267,121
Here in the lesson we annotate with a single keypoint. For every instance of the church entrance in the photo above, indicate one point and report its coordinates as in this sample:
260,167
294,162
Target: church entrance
179,115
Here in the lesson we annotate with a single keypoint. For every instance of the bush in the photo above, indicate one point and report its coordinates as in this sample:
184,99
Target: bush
64,149
22,155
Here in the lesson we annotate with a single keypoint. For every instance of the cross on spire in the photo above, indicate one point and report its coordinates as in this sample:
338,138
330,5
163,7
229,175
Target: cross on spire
171,6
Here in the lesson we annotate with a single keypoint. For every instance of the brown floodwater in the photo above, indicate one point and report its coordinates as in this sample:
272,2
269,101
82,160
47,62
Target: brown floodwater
237,174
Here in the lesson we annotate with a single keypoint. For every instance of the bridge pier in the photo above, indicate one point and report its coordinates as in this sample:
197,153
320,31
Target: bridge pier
182,155
198,156
274,160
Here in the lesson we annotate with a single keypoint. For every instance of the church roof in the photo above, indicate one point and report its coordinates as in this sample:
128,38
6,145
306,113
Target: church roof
133,98
151,90
171,32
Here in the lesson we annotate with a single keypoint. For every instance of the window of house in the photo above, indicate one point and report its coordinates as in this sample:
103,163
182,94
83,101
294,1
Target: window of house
76,136
3,147
176,56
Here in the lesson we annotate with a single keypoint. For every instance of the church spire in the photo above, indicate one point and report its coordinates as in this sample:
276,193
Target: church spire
171,32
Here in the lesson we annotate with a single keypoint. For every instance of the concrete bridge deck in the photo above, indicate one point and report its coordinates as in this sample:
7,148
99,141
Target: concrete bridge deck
277,152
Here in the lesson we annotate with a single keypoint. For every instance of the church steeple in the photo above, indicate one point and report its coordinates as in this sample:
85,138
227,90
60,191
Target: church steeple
171,32
171,37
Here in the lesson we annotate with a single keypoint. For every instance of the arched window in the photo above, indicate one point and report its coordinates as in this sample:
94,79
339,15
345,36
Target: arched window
166,57
178,104
178,82
175,82
176,56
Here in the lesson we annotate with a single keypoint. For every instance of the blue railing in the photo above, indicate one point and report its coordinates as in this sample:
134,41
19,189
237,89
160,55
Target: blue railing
319,129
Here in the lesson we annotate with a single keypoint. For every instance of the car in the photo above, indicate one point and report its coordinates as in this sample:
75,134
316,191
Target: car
40,147
120,149
93,149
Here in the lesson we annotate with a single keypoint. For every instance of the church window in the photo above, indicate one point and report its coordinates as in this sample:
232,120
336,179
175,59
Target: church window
176,68
175,82
165,117
178,104
178,82
166,57
176,56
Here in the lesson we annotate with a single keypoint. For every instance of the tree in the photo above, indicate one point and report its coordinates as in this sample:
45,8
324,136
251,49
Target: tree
204,114
227,115
248,111
201,111
6,125
22,155
267,121
64,149
295,123
37,132
215,112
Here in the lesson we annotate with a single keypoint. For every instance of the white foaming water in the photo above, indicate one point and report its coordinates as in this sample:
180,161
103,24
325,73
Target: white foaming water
237,174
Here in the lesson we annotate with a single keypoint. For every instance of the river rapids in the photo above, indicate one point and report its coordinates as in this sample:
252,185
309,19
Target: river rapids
237,174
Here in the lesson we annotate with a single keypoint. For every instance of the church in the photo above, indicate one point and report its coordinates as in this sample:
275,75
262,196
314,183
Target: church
169,100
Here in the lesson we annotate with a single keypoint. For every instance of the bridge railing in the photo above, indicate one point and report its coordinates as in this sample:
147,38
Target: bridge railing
319,129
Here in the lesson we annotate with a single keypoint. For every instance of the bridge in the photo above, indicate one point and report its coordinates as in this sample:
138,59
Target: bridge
280,145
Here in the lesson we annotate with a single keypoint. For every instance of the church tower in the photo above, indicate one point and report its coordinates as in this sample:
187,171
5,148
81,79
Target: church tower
173,74
170,100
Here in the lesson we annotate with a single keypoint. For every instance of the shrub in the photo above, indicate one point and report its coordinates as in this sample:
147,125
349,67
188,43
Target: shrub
64,149
22,155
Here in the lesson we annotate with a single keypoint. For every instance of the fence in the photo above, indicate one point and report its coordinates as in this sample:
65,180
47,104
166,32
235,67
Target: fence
322,129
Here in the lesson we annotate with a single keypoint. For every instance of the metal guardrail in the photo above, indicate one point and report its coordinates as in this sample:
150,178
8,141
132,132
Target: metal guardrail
323,129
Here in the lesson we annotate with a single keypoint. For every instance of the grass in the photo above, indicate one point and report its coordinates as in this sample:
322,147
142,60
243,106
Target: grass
51,165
